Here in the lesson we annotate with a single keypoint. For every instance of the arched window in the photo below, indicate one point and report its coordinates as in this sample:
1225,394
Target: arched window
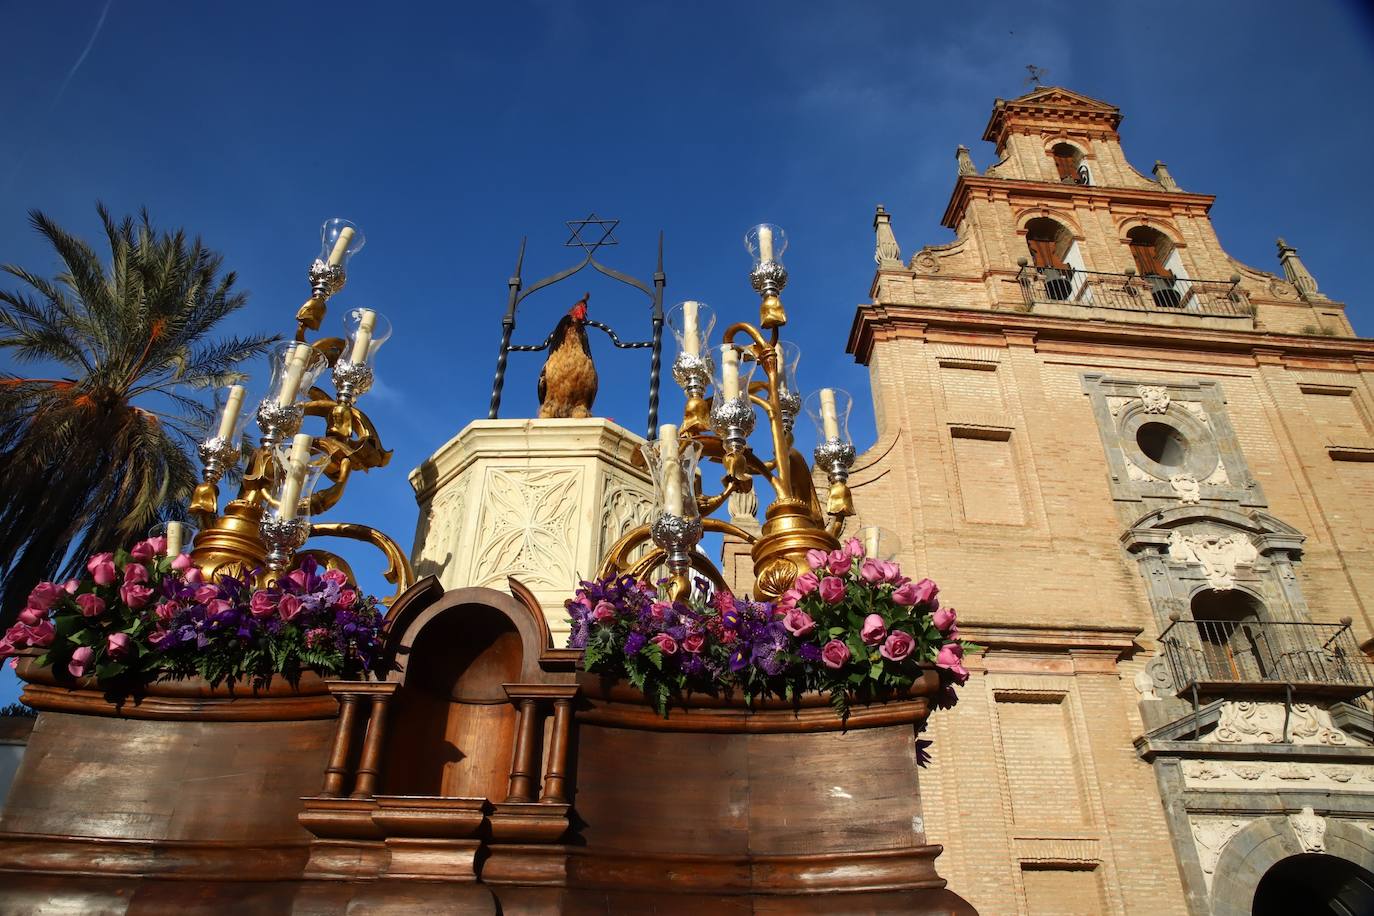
1069,164
1234,646
1156,260
1053,252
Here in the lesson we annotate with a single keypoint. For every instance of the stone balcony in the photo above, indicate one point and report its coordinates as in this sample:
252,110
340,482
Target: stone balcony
1128,297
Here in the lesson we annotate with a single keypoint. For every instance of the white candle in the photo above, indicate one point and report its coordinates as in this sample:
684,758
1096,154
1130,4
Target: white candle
174,538
729,373
232,405
765,243
672,471
362,338
871,541
296,465
691,344
295,369
829,419
341,246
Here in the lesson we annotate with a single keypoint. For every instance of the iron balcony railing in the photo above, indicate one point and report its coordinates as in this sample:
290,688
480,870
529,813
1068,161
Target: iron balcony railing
1211,656
1131,292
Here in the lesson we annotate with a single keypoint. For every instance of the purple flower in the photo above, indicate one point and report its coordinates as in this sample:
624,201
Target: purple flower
634,643
810,651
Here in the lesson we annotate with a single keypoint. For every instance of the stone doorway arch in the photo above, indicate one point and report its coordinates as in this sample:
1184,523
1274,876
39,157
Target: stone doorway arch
1316,884
1265,844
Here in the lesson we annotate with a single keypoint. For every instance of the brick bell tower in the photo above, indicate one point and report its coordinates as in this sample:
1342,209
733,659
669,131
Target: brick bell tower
1146,471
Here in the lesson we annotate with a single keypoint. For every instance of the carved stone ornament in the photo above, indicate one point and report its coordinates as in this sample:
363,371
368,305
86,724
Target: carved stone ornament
1219,555
925,263
526,519
1135,471
1186,488
1282,290
1310,828
744,507
622,508
1246,722
1211,834
1155,398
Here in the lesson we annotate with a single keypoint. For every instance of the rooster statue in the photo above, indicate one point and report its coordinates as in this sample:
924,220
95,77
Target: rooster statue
567,383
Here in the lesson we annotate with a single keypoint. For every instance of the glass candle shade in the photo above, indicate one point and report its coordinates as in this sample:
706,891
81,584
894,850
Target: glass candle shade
340,239
179,535
878,543
299,468
295,367
766,243
734,371
228,414
673,468
365,330
789,393
829,411
692,323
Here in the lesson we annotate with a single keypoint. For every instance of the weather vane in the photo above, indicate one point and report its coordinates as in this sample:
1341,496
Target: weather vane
1037,75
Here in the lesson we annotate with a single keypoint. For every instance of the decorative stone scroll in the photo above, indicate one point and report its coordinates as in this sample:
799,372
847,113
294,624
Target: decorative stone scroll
1211,834
1248,722
1155,398
1219,555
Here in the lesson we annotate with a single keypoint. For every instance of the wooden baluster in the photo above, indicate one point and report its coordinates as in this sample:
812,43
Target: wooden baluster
337,770
370,765
522,762
555,770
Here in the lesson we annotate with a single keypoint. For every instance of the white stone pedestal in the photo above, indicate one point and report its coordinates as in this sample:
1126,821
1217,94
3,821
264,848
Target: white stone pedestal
540,500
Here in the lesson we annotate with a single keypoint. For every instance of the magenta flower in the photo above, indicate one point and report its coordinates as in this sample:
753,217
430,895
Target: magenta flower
166,610
832,590
838,562
289,607
898,646
874,630
891,572
787,602
658,608
943,619
143,550
806,583
799,623
182,562
218,608
816,559
834,654
81,663
262,604
666,644
693,643
926,591
951,654
960,674
337,576
905,595
44,595
71,586
102,568
871,571
135,574
853,548
32,616
41,634
135,596
194,576
91,605
206,593
604,612
118,645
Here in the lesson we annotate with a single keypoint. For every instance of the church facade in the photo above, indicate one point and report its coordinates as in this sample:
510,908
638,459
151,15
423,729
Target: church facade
1145,471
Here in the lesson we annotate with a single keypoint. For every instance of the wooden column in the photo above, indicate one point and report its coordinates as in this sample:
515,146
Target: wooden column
337,769
522,762
370,764
556,767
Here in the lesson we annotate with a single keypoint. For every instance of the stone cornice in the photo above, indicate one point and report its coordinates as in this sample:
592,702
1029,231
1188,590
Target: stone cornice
1116,641
969,185
879,322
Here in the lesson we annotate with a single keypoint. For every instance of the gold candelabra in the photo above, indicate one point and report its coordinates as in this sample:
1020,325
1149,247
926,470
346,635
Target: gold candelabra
718,428
263,528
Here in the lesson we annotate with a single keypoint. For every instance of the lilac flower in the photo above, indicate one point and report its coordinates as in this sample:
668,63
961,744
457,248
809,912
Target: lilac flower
634,643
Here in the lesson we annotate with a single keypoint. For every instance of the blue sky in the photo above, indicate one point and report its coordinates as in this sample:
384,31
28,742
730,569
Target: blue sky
449,131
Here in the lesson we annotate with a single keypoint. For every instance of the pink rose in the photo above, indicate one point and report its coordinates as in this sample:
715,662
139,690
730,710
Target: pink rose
892,572
301,578
960,674
693,642
838,562
102,568
834,654
289,607
194,576
80,665
806,583
44,595
143,550
951,654
854,548
943,619
898,646
905,594
41,635
118,645
262,604
219,608
32,616
7,646
788,601
159,544
666,644
135,596
347,597
658,609
799,623
832,590
874,630
91,605
166,610
604,612
135,574
337,576
71,586
182,562
206,593
926,591
816,558
871,571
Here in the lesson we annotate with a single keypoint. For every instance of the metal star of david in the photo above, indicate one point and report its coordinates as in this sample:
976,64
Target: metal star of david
605,225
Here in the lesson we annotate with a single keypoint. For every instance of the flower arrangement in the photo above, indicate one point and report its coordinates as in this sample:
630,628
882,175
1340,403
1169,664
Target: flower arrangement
853,627
139,616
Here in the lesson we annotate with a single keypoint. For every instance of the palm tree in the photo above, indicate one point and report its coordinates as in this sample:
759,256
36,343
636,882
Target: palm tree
94,456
